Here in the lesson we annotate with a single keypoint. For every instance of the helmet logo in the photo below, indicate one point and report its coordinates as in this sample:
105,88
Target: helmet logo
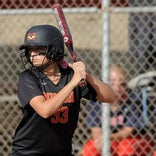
31,36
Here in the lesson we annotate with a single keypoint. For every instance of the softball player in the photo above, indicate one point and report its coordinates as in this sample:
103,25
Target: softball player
50,95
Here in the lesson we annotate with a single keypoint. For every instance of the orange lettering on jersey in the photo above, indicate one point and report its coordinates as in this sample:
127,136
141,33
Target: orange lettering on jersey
69,99
48,95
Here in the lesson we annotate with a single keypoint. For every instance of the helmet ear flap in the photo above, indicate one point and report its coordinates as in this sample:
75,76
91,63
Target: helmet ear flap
24,52
27,54
25,58
55,53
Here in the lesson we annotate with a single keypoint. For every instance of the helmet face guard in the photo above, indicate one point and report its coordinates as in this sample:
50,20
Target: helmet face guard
43,35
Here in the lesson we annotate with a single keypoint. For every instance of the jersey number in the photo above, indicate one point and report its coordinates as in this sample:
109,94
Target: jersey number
61,115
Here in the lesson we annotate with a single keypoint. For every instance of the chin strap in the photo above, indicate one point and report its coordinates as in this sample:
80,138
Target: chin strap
42,67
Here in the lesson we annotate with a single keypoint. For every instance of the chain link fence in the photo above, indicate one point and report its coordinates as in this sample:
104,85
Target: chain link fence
132,43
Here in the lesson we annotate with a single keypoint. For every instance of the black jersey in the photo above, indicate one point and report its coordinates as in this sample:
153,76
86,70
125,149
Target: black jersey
53,136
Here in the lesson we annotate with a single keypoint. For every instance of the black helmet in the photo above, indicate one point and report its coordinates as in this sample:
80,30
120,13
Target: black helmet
45,35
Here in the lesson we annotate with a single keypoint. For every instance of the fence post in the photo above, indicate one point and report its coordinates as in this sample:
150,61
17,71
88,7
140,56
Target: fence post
105,76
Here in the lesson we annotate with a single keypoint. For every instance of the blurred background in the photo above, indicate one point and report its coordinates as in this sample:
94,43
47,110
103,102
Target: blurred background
127,36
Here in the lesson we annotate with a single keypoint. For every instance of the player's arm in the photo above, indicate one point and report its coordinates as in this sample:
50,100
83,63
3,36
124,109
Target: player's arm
103,90
96,132
123,133
47,107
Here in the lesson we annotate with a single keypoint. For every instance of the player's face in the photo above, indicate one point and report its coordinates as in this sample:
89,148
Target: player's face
37,55
117,81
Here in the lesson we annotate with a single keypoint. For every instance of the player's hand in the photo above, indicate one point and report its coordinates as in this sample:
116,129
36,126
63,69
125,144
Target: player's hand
98,143
79,69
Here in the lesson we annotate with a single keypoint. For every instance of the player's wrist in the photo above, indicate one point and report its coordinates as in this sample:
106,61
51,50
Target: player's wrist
71,85
87,75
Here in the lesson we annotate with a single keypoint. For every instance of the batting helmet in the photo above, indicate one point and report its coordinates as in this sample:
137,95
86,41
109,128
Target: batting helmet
45,35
